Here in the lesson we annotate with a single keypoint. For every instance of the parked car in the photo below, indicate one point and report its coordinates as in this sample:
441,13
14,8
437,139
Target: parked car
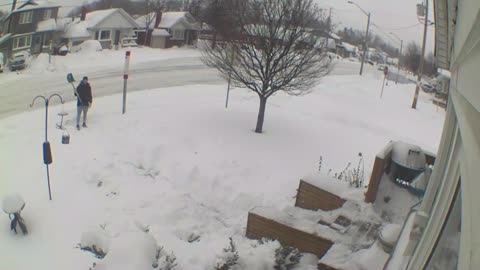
19,61
381,67
427,87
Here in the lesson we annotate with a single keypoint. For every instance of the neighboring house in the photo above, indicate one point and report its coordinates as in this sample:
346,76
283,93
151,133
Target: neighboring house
346,50
112,27
179,29
442,231
31,26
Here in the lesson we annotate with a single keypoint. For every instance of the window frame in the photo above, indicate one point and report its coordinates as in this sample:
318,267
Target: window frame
27,42
26,17
174,37
47,14
100,32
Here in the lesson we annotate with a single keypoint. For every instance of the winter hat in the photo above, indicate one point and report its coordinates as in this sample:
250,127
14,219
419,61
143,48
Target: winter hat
85,78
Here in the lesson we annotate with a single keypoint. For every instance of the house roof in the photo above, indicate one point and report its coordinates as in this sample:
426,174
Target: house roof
169,19
79,29
37,4
142,20
160,33
348,47
5,38
47,25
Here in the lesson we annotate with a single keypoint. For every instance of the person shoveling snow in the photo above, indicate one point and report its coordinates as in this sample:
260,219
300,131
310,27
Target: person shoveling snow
84,100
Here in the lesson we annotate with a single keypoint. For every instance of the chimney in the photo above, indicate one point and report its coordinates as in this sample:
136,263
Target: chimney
84,14
14,5
158,18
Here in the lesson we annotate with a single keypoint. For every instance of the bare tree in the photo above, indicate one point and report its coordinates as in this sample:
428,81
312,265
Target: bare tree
412,57
274,52
152,10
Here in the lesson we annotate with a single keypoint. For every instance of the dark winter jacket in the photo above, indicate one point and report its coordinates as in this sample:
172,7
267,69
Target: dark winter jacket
84,97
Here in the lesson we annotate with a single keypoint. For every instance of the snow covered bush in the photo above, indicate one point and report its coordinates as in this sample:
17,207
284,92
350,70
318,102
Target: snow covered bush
286,258
228,258
96,242
168,262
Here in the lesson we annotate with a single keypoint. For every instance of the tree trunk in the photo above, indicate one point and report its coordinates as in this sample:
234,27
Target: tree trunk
261,115
146,36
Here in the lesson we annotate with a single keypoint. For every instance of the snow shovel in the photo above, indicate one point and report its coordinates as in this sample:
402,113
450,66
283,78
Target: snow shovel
71,80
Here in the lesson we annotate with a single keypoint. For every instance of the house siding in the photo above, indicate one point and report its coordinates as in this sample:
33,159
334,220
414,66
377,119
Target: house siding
17,28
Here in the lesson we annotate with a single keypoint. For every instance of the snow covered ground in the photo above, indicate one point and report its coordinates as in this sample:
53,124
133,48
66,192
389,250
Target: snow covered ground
181,164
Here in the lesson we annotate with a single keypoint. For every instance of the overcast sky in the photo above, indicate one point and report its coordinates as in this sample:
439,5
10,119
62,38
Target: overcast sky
397,16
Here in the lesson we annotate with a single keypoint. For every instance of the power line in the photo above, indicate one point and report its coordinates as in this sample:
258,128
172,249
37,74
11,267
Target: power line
404,27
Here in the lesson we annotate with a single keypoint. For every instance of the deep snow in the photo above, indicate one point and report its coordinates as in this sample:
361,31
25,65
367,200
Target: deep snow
186,167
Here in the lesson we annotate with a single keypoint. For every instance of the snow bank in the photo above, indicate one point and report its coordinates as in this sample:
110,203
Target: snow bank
136,250
88,46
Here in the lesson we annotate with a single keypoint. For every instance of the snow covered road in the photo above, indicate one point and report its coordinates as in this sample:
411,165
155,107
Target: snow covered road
17,94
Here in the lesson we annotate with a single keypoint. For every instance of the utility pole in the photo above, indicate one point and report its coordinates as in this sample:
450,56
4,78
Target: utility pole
422,59
365,49
365,45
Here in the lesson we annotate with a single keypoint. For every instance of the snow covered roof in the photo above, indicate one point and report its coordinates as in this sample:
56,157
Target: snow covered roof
142,20
5,38
349,47
160,33
169,19
334,36
47,25
37,4
79,29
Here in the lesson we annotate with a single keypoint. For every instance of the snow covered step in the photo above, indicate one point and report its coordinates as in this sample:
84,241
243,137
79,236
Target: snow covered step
307,236
312,197
323,192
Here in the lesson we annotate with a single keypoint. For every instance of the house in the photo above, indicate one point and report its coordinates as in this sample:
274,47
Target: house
168,29
441,232
30,26
346,50
113,28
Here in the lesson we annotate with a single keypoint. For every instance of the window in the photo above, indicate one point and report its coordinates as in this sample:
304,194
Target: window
178,34
22,42
26,17
445,255
105,35
47,14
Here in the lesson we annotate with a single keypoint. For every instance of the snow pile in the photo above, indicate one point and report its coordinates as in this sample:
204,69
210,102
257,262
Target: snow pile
340,257
13,203
408,155
342,189
96,241
88,46
389,233
135,250
394,202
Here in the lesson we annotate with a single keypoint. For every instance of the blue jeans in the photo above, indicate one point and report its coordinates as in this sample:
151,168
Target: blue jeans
81,109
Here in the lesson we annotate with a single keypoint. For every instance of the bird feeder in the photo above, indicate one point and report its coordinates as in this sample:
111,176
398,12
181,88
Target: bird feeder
65,137
13,204
60,124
